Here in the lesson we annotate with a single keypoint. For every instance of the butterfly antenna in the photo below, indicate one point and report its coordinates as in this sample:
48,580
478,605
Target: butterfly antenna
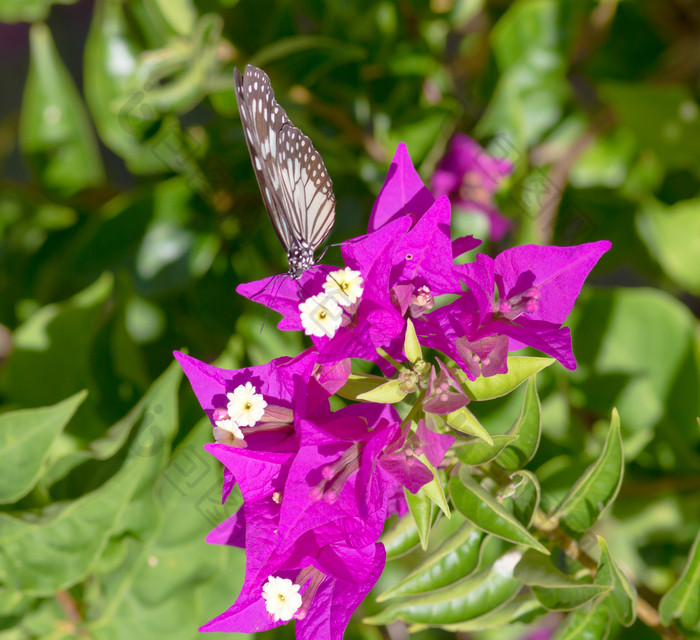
273,295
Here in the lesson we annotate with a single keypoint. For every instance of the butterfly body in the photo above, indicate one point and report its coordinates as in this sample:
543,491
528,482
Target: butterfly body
293,180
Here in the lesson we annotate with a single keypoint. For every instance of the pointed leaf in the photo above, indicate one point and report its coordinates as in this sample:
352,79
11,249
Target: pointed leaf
519,607
401,538
411,346
420,506
456,558
682,600
479,506
470,598
54,129
26,437
588,623
358,384
527,428
623,597
599,485
477,451
44,553
554,589
520,368
387,393
434,489
464,420
522,496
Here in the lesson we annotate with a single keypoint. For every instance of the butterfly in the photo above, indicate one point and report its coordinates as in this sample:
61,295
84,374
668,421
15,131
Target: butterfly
293,180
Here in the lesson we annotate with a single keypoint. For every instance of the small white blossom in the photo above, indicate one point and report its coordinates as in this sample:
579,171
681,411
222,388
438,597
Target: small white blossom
231,427
320,316
282,598
344,286
245,406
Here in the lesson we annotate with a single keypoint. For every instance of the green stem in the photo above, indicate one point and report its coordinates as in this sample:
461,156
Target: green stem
416,409
389,359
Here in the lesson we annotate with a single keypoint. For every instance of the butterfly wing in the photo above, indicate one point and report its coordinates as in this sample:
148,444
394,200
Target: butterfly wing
262,118
308,191
294,182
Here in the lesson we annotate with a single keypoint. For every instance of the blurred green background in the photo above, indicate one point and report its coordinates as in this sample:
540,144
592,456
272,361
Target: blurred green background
129,212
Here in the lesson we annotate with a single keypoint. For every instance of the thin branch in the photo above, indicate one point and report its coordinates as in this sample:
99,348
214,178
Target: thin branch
70,608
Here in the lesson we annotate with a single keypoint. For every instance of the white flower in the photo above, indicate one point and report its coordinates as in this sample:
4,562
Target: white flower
282,599
320,316
231,426
245,406
344,286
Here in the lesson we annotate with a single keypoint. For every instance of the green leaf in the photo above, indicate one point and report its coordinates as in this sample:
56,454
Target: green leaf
479,506
532,88
555,590
420,506
520,368
465,600
675,138
357,384
401,538
527,429
173,581
116,99
682,600
54,129
179,14
26,437
521,606
282,48
623,597
411,346
434,489
464,420
456,558
672,233
52,357
477,451
44,553
654,387
387,393
27,10
599,485
522,496
588,623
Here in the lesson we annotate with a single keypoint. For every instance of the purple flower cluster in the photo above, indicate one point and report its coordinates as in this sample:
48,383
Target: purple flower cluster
470,177
318,485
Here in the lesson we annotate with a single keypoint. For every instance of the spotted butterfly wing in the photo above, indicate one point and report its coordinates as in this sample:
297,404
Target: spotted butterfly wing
293,180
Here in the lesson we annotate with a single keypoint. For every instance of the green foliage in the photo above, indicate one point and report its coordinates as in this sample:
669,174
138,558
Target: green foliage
26,439
129,213
597,488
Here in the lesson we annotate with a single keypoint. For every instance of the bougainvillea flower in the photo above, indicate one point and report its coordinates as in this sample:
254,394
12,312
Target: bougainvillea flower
444,393
424,255
400,460
525,293
403,193
470,176
324,491
268,388
331,580
284,294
